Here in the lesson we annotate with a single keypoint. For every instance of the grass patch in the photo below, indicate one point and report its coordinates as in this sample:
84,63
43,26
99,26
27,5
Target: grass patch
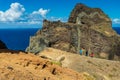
56,63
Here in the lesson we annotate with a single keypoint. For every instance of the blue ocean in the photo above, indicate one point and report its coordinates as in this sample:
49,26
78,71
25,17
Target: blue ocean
17,39
117,29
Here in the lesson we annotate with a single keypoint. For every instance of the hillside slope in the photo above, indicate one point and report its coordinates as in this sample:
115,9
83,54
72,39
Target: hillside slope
101,69
21,66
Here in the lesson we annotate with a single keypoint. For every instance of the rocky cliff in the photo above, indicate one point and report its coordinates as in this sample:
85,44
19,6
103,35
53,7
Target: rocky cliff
88,28
2,45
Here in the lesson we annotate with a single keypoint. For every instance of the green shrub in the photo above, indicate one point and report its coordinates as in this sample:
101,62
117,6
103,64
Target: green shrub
56,63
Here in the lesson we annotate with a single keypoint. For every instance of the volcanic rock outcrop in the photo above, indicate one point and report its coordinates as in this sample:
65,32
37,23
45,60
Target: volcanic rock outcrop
2,45
88,28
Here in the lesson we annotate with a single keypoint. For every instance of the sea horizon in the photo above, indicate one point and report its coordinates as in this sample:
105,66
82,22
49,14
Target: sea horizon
17,38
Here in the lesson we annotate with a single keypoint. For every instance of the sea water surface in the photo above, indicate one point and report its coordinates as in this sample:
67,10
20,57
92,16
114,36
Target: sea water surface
117,29
17,39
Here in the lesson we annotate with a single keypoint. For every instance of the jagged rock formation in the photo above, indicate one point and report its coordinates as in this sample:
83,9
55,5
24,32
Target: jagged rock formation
87,28
2,45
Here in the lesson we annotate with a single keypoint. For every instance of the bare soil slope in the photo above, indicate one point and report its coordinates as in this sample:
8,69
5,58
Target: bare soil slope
21,66
101,69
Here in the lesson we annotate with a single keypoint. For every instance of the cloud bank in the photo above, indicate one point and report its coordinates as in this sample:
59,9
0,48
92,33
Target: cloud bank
16,14
13,13
41,12
116,21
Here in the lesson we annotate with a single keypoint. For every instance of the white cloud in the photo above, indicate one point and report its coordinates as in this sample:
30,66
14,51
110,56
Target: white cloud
116,21
30,22
13,13
63,19
41,12
16,14
36,17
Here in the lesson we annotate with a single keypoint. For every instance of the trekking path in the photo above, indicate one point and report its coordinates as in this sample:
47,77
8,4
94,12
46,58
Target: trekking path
101,69
26,66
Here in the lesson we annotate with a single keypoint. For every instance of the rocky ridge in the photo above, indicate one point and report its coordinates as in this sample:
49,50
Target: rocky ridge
88,28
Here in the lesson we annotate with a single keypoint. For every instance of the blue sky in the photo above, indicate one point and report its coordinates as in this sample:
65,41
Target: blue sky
30,13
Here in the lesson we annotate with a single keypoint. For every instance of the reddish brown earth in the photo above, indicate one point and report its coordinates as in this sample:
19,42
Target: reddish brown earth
22,66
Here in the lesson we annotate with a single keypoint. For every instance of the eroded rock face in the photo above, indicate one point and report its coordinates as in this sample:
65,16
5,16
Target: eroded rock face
2,45
82,14
86,28
92,17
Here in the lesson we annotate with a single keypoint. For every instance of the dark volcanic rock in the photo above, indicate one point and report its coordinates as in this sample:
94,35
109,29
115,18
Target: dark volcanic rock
87,28
83,14
2,45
